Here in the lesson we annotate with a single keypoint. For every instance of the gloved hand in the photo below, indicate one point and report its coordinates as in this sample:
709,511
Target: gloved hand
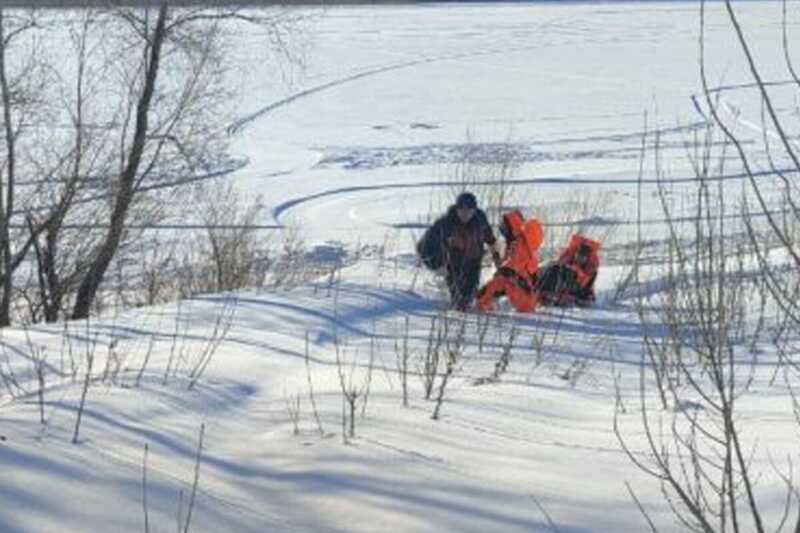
496,259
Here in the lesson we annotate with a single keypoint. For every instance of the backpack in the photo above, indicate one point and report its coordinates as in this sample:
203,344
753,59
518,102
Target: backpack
430,248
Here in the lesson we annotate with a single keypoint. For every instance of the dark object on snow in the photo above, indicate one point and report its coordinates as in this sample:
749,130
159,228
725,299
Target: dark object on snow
456,242
430,247
557,285
570,280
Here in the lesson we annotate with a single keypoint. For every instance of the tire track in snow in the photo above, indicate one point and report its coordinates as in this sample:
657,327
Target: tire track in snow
238,126
174,182
695,97
749,85
281,209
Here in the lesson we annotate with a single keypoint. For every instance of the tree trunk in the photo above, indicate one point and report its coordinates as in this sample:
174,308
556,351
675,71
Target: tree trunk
125,191
7,209
55,290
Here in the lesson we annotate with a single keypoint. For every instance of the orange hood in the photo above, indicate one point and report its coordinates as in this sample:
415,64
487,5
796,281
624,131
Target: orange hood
576,240
530,230
514,222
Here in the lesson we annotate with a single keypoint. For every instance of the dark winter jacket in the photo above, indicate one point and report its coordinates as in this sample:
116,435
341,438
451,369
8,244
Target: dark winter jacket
452,243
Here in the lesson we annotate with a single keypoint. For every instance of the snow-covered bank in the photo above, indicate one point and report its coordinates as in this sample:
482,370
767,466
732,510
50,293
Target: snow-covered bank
540,433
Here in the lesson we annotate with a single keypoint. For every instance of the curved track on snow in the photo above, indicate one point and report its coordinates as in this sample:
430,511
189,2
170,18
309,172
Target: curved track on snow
240,124
286,207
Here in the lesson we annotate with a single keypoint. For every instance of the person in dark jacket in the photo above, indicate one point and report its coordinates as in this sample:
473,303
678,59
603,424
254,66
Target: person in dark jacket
456,241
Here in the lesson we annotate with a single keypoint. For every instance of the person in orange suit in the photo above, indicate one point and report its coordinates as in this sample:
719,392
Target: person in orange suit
514,277
570,279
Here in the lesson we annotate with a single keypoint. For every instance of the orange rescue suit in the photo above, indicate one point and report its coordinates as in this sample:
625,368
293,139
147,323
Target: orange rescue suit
521,261
584,273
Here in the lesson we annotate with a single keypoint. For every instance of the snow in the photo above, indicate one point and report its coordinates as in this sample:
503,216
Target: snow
357,152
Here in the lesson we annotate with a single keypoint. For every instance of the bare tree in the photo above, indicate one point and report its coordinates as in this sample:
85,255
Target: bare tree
722,275
66,165
100,133
20,87
695,336
7,200
127,181
174,98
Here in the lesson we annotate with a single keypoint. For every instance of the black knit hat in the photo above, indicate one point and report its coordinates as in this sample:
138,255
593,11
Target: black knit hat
466,199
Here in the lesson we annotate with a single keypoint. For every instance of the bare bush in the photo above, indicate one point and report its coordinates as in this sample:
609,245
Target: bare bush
184,521
195,275
311,397
587,212
38,368
508,341
38,355
575,371
290,265
482,323
699,329
454,353
222,325
403,355
145,508
293,410
354,388
158,269
179,346
429,367
13,387
145,361
487,170
91,345
231,232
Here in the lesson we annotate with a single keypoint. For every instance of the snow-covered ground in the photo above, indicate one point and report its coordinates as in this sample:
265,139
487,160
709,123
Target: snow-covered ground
356,152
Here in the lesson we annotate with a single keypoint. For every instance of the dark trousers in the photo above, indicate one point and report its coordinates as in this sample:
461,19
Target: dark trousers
463,278
557,280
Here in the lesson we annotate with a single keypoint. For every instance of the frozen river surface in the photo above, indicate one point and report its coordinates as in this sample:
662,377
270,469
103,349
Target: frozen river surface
364,141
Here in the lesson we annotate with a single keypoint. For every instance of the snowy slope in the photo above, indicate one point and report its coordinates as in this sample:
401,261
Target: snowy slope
542,433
